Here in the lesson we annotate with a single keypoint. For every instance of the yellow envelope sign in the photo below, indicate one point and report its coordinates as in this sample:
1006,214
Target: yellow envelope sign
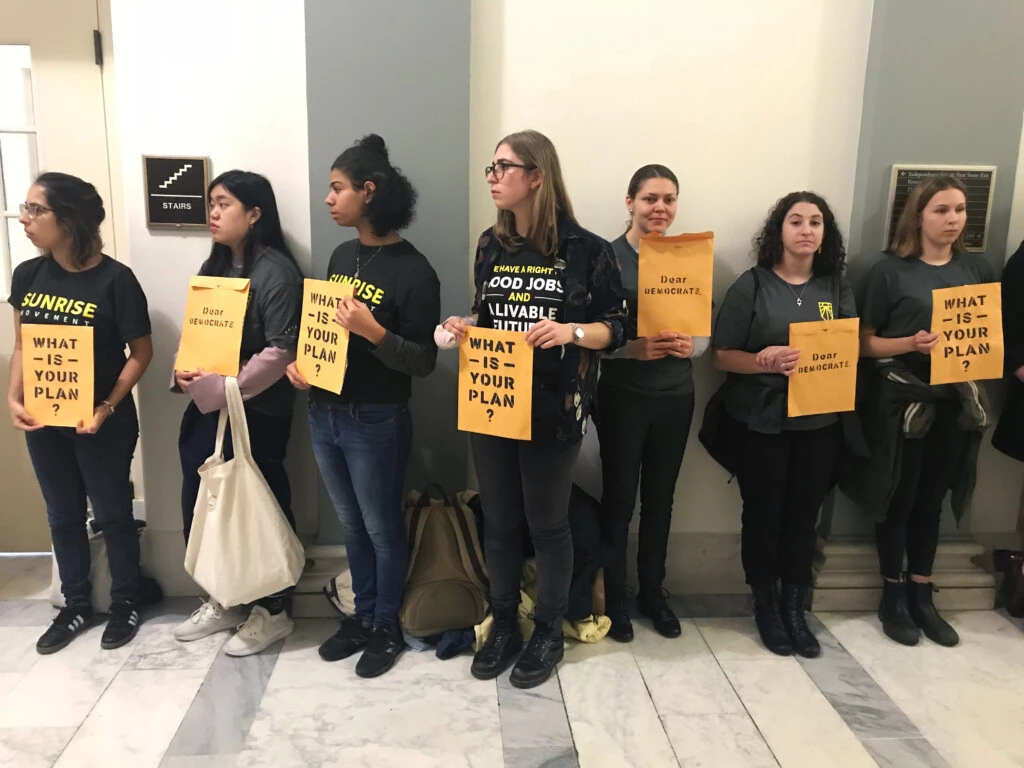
969,321
58,373
496,384
323,344
675,283
825,379
211,337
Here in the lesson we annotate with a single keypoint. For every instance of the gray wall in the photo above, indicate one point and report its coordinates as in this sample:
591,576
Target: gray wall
944,85
400,69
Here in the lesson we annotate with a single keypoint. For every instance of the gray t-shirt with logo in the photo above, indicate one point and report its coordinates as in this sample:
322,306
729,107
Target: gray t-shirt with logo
755,314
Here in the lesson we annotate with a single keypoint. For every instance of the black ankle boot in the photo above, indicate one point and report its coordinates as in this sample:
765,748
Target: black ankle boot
654,605
892,612
923,613
504,642
794,605
769,620
545,650
622,627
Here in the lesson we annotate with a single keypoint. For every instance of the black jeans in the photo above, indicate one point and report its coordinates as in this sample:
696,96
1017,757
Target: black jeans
268,437
642,443
912,522
71,467
783,479
532,481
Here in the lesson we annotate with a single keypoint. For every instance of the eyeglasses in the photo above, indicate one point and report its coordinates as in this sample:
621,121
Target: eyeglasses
34,210
499,169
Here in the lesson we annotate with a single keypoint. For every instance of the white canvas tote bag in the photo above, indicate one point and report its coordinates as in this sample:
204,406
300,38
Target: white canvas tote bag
241,547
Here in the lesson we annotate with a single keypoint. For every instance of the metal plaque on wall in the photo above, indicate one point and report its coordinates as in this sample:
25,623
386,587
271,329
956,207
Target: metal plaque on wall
176,191
979,180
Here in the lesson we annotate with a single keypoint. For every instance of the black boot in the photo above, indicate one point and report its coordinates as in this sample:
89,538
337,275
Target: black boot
769,620
385,646
618,612
923,614
504,642
352,636
892,612
654,605
794,604
545,650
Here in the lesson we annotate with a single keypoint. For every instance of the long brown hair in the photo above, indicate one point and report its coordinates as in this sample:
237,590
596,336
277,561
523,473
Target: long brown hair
550,201
907,239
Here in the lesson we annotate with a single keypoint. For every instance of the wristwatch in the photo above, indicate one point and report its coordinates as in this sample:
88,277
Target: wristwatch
577,333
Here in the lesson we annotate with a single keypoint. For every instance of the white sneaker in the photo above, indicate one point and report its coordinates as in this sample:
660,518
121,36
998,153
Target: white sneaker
208,619
260,631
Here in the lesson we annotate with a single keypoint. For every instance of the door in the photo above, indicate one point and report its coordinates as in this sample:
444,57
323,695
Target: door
51,119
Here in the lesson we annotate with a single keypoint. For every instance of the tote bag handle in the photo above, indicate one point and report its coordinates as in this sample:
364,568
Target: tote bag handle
235,412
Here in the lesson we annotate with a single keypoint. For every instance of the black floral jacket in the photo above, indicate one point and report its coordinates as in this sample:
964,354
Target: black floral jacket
593,293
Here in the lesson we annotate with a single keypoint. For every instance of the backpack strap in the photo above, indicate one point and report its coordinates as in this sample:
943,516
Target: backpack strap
469,544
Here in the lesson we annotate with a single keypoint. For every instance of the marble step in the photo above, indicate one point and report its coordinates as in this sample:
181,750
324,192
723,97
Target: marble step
866,599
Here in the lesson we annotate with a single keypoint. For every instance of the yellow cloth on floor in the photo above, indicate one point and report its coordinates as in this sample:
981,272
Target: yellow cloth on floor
589,630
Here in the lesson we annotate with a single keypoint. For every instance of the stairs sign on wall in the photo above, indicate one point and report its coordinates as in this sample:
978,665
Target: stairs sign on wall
176,191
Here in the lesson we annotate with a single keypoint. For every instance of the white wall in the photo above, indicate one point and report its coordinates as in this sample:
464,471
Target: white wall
226,80
745,101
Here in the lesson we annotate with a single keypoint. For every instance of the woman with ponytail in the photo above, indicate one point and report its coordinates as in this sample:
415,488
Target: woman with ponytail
362,438
75,283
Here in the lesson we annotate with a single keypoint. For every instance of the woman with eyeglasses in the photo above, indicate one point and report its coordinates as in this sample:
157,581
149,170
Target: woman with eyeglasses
75,284
568,318
247,242
362,437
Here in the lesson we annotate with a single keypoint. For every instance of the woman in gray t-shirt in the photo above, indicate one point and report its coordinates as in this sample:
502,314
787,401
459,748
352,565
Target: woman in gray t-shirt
785,466
927,253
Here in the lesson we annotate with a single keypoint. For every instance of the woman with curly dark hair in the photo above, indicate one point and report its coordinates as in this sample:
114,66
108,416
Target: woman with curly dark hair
785,466
362,438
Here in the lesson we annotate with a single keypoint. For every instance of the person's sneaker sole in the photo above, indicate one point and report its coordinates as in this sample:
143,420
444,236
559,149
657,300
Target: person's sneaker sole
66,643
281,634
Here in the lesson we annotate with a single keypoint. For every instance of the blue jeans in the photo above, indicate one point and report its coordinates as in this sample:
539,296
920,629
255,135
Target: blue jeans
363,450
71,467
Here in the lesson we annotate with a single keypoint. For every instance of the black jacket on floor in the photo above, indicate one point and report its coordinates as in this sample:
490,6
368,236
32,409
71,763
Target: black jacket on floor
1009,435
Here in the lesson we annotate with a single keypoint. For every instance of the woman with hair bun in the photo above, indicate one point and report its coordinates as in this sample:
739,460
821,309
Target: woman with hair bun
362,438
75,283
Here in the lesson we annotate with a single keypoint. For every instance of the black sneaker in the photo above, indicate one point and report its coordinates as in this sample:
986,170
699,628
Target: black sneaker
122,626
385,646
353,636
68,624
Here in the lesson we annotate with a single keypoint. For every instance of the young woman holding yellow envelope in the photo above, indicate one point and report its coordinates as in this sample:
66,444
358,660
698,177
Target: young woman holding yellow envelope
785,466
537,271
645,400
362,437
247,243
927,253
75,284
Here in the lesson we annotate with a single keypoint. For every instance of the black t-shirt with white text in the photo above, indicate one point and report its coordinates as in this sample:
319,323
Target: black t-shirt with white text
107,298
524,289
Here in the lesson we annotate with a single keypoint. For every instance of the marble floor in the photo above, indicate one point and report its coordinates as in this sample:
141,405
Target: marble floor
713,698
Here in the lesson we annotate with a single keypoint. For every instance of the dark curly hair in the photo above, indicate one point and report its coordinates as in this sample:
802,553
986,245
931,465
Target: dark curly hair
79,211
393,204
768,244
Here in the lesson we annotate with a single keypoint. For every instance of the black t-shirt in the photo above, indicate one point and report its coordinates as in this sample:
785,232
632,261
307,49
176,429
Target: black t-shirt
107,298
898,295
271,320
523,289
756,315
402,290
